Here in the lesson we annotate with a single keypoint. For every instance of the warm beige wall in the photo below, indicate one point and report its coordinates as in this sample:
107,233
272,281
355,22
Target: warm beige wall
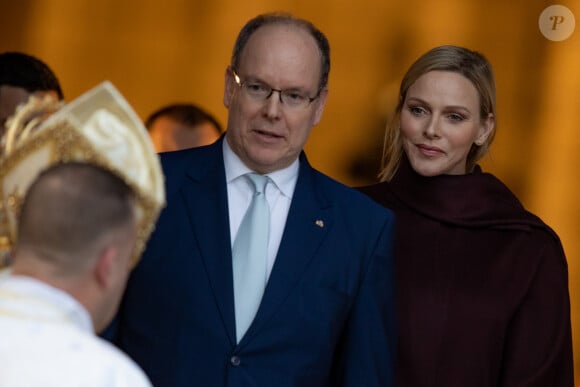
177,50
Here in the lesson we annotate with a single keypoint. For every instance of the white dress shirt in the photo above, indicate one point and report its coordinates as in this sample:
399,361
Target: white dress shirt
47,339
279,192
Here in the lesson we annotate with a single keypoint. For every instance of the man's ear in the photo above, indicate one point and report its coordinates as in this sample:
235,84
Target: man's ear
229,86
105,266
321,103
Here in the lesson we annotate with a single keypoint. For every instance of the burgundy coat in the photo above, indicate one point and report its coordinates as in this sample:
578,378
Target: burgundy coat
482,285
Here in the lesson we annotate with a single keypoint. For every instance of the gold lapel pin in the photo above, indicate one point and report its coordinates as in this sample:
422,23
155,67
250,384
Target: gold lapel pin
319,223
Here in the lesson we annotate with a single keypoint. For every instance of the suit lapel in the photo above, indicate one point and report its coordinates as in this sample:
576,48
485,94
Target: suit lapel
205,196
309,219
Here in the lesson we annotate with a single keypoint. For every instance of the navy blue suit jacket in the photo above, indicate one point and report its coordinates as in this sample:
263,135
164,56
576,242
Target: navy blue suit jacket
327,314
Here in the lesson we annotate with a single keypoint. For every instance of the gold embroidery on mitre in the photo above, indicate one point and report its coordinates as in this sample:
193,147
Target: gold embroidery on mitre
104,132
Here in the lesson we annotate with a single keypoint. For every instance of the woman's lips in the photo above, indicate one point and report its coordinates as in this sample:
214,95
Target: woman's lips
429,151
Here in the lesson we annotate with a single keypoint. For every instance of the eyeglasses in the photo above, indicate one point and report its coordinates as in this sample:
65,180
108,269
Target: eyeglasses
261,92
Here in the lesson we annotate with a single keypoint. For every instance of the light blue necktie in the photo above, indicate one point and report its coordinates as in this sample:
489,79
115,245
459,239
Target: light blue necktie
250,256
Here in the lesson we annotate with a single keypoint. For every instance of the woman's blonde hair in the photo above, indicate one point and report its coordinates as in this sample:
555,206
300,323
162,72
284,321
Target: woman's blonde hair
473,66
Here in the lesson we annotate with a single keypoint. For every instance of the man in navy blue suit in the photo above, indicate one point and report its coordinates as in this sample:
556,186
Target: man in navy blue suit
326,312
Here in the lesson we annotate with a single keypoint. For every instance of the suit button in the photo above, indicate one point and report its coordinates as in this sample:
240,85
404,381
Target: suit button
235,360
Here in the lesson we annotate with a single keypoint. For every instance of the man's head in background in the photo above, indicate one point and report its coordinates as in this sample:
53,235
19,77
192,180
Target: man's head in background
22,75
181,126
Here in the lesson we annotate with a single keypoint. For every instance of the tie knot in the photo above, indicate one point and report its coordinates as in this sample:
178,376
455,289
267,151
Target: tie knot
258,181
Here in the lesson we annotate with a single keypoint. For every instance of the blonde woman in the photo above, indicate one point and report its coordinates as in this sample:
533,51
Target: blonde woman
482,283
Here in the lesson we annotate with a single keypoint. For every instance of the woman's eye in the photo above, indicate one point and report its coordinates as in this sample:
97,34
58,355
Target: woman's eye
416,110
455,117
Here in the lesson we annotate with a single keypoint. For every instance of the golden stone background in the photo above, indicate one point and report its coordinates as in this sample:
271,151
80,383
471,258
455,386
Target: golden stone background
157,52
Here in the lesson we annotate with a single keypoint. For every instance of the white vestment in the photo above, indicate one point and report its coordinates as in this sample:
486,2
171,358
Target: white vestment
47,339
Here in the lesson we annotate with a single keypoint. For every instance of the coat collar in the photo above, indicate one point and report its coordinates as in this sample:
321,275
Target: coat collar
476,199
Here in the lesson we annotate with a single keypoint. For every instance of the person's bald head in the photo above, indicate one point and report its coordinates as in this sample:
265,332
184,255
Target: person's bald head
70,212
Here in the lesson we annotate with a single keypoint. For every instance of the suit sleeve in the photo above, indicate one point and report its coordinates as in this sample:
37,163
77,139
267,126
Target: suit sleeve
367,351
539,343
